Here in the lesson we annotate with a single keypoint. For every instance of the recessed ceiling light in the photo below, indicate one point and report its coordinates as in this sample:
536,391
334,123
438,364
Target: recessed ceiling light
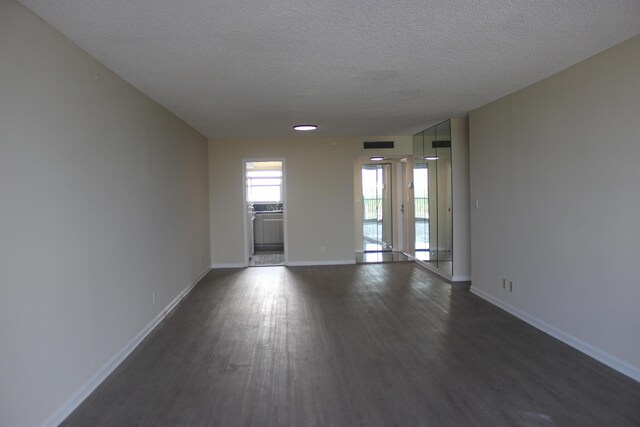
376,158
432,158
305,127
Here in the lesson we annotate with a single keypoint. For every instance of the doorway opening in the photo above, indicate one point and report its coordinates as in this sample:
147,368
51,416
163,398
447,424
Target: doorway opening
377,224
264,203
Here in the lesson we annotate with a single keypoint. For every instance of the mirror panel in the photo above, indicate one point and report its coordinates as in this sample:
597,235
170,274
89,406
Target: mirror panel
444,194
432,175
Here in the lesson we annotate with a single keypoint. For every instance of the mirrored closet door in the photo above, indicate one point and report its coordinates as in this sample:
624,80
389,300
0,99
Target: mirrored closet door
432,176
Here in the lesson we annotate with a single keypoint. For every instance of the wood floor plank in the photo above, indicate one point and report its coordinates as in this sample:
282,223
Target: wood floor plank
355,345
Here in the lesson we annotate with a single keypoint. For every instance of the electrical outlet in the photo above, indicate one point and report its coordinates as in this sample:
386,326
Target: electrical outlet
153,298
321,249
510,286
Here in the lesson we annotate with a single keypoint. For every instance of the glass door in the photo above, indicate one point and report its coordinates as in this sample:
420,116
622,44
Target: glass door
376,207
421,209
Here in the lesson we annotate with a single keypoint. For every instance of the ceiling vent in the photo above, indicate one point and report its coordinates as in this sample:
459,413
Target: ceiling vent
369,145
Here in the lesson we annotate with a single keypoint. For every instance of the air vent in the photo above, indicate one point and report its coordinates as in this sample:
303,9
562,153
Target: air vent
368,145
441,144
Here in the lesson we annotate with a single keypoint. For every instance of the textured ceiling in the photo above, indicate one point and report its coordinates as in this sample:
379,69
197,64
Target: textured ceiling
249,68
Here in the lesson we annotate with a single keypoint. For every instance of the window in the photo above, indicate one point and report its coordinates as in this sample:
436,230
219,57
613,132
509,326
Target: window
264,186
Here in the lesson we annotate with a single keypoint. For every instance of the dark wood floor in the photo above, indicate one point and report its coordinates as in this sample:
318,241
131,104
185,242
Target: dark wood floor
356,345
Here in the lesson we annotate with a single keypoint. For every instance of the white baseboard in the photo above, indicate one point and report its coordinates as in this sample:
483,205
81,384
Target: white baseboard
230,265
78,397
461,279
598,354
331,262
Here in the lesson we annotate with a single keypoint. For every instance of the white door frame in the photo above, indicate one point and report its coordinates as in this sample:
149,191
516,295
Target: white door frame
285,208
400,196
408,218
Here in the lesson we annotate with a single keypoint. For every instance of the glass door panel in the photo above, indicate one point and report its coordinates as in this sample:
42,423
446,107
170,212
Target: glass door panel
376,209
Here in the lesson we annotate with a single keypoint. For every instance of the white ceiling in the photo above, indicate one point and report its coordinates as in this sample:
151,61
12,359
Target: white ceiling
249,68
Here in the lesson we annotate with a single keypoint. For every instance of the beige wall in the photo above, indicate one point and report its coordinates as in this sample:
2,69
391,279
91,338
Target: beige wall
554,168
103,202
461,208
319,200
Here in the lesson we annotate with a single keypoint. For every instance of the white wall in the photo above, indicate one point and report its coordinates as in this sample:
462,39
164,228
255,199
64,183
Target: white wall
103,201
319,202
555,170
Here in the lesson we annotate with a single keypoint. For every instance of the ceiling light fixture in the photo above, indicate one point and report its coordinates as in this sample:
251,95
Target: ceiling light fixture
432,158
376,158
305,127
